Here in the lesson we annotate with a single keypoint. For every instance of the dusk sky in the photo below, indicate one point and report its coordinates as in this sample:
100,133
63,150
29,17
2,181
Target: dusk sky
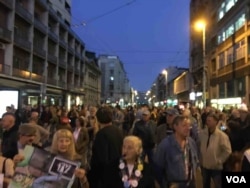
147,35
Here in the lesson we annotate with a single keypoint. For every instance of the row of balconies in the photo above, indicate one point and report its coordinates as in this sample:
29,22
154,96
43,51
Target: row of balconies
27,75
74,46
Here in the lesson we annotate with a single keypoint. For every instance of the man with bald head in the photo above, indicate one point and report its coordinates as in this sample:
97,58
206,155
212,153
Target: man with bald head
9,142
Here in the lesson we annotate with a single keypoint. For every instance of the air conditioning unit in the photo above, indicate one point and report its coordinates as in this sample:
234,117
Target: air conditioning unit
2,46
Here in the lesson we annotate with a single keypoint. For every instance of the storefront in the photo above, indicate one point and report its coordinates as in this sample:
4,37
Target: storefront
226,103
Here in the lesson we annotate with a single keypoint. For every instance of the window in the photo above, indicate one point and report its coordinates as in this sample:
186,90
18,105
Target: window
226,5
221,90
240,21
240,49
221,60
213,63
229,5
241,86
229,53
231,28
230,88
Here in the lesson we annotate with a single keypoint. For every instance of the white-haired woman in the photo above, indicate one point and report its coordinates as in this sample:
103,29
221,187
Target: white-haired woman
133,171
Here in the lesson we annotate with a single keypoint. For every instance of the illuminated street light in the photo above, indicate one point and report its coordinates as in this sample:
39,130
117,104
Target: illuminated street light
201,26
165,73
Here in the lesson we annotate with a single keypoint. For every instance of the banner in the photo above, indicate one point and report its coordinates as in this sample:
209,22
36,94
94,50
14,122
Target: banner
41,169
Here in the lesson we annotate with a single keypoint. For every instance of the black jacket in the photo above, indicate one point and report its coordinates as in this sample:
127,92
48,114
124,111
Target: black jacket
9,142
105,154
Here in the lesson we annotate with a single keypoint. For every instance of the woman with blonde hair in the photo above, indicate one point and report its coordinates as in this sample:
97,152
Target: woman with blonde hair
63,145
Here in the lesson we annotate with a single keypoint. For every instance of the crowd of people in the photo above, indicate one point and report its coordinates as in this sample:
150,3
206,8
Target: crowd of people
140,147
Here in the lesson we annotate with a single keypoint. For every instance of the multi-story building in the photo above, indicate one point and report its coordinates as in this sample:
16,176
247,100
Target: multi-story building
115,87
227,54
182,88
40,56
92,80
164,85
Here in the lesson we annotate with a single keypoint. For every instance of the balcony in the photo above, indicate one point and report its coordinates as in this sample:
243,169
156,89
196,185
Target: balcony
62,84
71,67
225,69
62,63
71,50
43,3
53,14
51,81
52,58
8,3
78,55
21,11
63,44
53,36
5,69
5,34
37,77
39,51
70,86
21,73
22,42
40,26
77,71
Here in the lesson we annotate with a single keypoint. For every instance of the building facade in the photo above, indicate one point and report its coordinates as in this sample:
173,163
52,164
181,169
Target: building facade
182,88
115,86
92,80
40,56
227,51
163,87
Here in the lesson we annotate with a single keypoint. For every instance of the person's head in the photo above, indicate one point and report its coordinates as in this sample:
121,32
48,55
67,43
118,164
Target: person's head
131,148
104,115
8,109
186,112
26,134
34,114
8,120
171,113
34,117
212,120
181,126
145,115
235,113
92,111
243,112
81,122
63,143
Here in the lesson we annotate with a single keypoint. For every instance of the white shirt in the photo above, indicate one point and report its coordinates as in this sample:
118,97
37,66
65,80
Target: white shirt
76,133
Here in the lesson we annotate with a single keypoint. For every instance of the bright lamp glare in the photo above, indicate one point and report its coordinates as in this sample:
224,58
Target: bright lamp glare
200,25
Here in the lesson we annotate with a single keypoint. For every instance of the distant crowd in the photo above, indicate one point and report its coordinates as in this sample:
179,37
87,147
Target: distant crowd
138,146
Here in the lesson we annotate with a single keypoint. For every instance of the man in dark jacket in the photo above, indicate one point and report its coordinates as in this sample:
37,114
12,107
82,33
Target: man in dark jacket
145,130
106,152
10,135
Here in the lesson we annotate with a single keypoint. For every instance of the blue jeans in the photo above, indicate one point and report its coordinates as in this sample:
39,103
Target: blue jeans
208,174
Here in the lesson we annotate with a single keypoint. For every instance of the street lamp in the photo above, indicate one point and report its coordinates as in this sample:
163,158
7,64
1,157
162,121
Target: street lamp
201,25
165,73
